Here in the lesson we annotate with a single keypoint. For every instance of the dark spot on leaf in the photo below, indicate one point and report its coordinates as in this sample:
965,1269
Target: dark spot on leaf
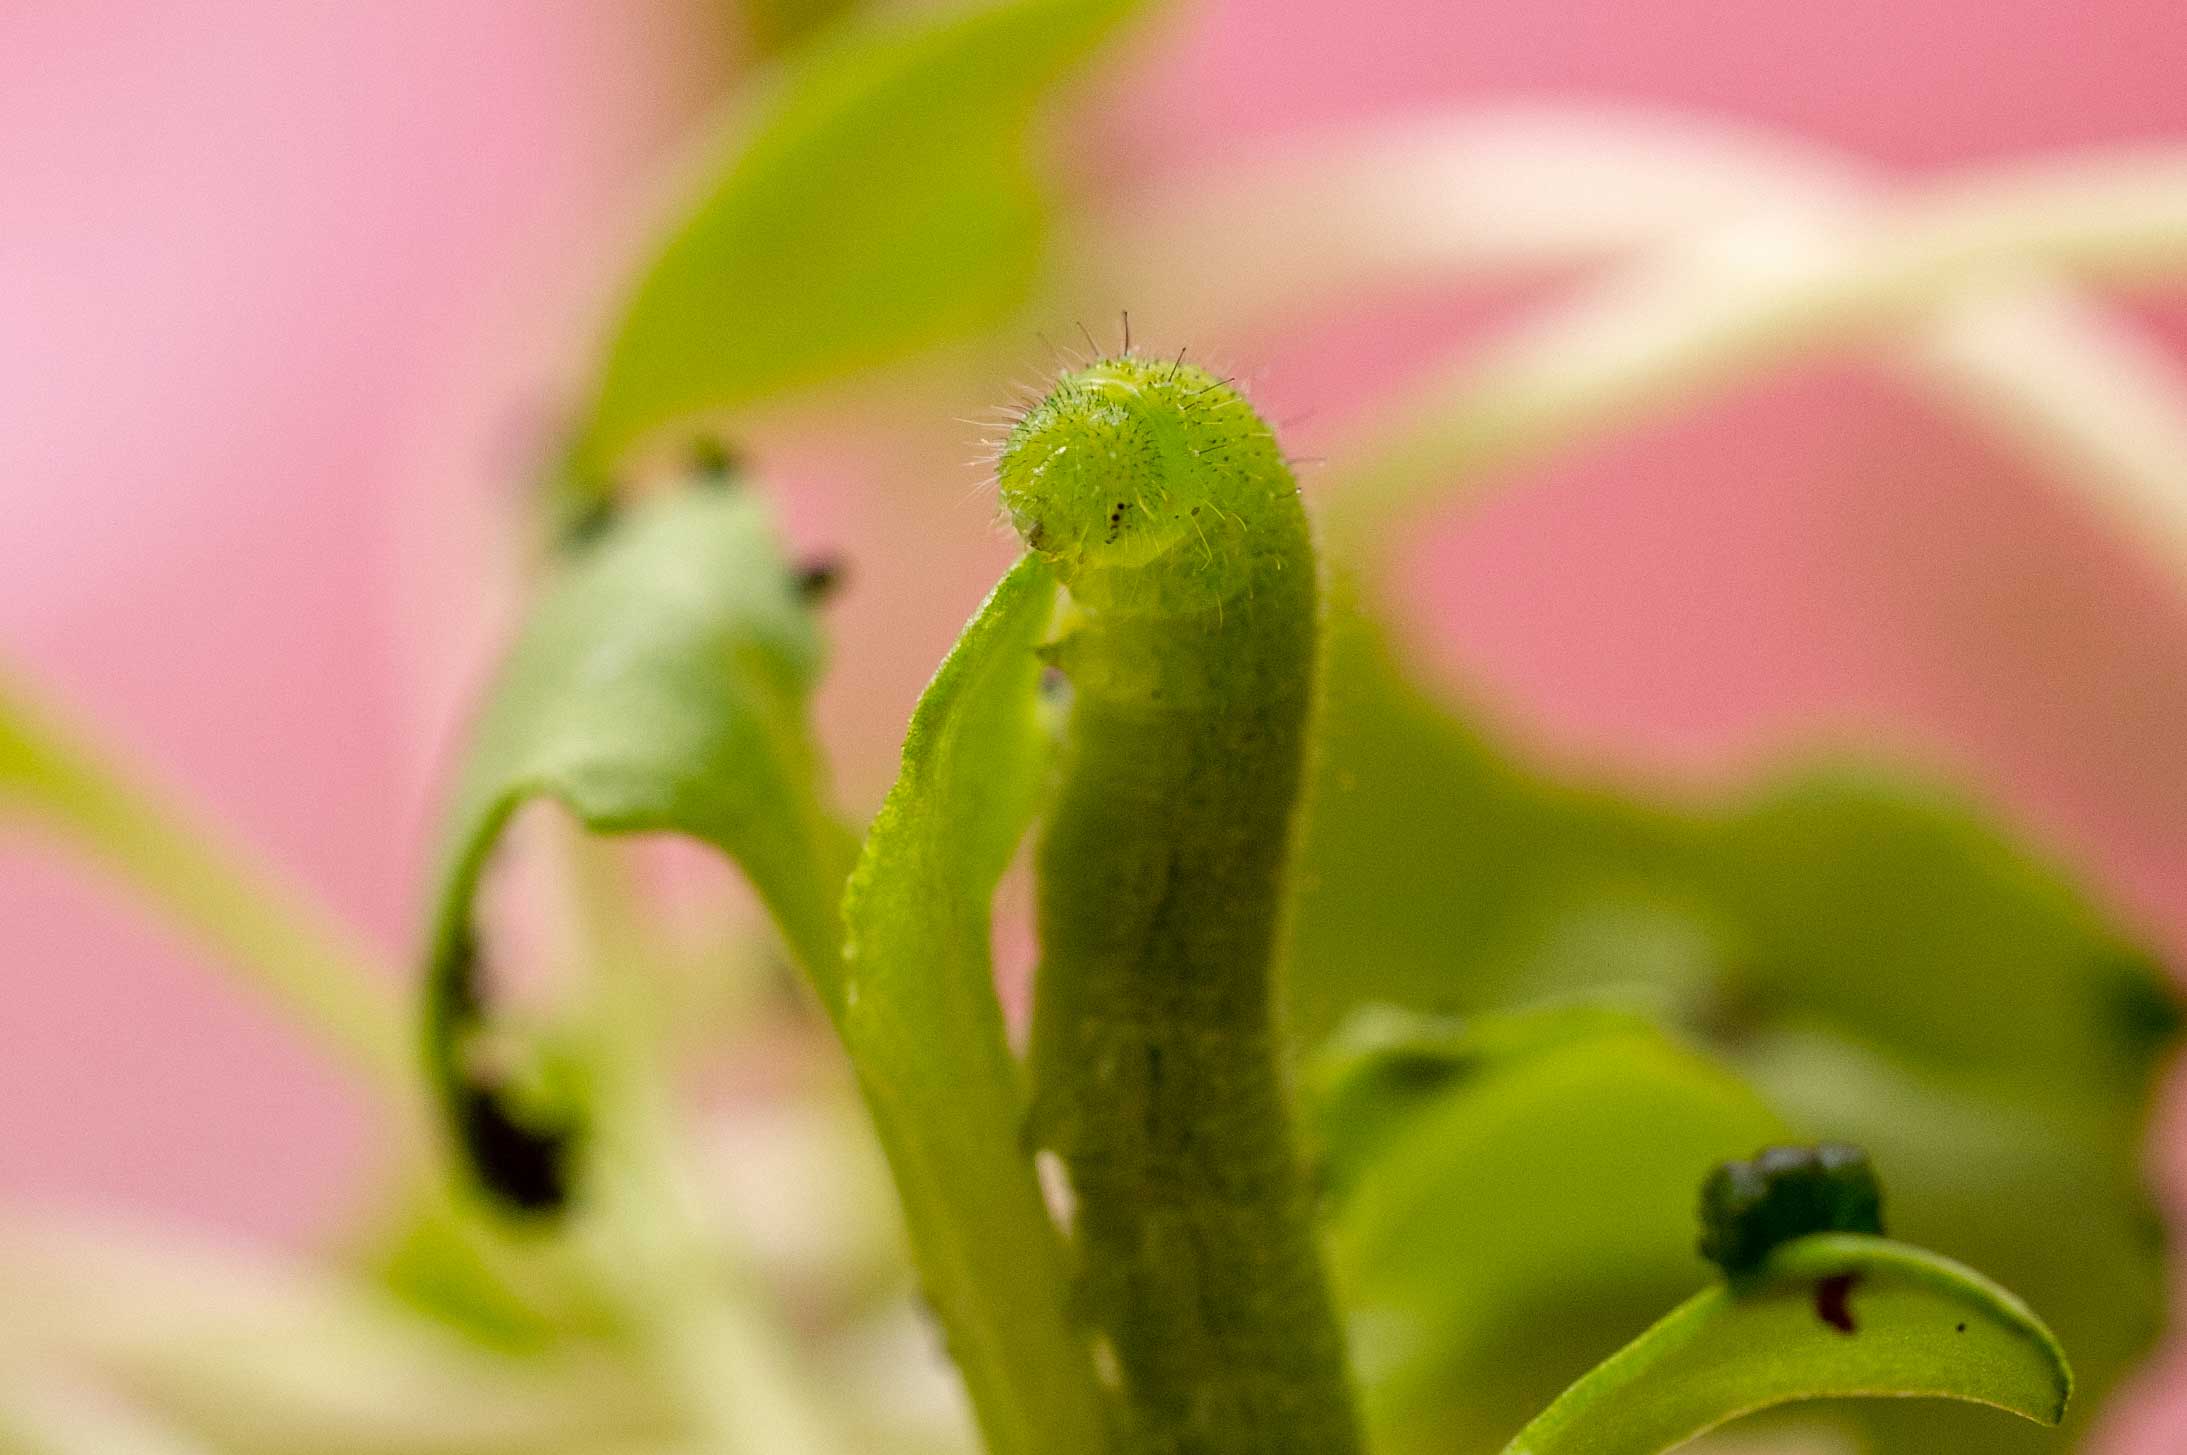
1959,1328
522,1163
713,462
1749,1208
2143,1006
1414,1072
524,1168
819,579
1833,1301
588,521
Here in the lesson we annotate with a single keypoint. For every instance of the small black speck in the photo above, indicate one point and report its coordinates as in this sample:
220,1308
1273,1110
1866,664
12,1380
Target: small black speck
1832,1301
713,462
589,522
818,580
1962,1328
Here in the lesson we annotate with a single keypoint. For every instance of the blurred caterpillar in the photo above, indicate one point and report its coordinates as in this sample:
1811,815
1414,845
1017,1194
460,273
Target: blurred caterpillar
1164,505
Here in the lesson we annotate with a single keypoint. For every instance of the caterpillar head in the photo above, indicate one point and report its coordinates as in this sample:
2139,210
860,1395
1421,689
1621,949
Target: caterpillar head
1149,484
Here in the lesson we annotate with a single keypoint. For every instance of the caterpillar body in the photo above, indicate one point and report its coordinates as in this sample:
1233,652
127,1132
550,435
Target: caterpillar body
1167,510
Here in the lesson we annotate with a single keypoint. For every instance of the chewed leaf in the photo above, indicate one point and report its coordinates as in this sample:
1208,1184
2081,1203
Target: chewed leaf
661,683
1834,1315
880,202
926,1031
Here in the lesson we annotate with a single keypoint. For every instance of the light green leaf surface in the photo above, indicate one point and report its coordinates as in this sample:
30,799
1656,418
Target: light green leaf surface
877,200
926,1031
660,684
1439,869
1993,1177
773,26
1510,1200
1832,1315
1879,961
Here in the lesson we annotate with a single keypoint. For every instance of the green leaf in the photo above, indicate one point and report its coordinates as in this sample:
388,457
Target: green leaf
1434,867
1832,1315
1892,910
926,1031
879,201
1993,1177
774,26
660,684
1440,871
1882,962
1511,1199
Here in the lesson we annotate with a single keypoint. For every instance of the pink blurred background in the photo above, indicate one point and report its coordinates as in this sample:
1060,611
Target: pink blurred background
281,288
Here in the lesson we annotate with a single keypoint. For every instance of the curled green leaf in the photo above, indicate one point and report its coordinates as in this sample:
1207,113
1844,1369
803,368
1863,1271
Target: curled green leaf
660,684
1833,1315
926,1033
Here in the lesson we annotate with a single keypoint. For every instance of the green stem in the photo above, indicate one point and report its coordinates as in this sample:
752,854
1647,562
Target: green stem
1166,509
694,1308
297,955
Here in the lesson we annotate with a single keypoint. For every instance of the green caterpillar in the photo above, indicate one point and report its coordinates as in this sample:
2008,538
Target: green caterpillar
1167,510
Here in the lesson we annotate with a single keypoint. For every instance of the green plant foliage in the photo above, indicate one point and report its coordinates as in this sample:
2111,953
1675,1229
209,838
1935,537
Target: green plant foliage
1832,940
660,684
1437,867
1998,1179
1893,911
1510,1200
926,1033
774,26
1433,869
1831,1315
55,779
878,200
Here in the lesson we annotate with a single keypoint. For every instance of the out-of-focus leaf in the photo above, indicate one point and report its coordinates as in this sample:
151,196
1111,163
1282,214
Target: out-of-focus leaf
261,1357
879,201
267,930
1892,911
661,683
61,1416
1996,1178
1436,868
1433,866
1842,923
773,26
1834,1314
926,1031
1523,1202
